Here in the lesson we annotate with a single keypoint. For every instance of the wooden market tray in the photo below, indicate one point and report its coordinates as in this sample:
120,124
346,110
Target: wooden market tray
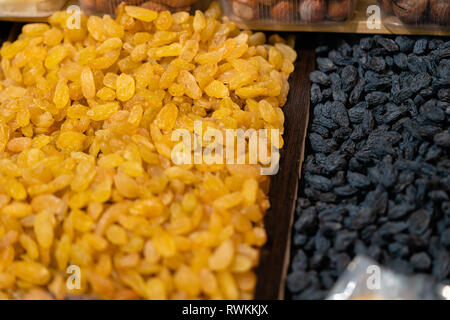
274,256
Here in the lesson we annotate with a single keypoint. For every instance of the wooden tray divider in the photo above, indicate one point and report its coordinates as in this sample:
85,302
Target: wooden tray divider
275,255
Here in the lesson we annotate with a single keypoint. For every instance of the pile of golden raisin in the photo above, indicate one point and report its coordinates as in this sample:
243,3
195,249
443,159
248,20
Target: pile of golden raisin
86,176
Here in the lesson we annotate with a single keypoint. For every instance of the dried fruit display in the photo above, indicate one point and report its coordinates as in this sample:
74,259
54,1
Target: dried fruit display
417,12
376,178
288,12
87,177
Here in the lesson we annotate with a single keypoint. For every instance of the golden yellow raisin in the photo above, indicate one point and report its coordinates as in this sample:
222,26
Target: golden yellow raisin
43,228
87,83
141,13
125,87
32,272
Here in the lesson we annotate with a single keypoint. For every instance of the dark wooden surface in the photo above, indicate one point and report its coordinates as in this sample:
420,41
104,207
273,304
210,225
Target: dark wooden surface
274,259
6,30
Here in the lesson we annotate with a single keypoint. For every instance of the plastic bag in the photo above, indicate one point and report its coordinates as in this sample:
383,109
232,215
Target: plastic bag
288,15
364,279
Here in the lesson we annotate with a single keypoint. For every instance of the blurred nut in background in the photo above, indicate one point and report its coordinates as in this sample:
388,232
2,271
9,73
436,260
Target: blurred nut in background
156,6
178,3
107,6
410,11
339,9
283,11
245,9
268,2
89,4
386,5
440,11
313,10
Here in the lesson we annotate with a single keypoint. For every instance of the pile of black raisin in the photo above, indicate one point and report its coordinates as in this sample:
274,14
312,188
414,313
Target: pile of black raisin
376,179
